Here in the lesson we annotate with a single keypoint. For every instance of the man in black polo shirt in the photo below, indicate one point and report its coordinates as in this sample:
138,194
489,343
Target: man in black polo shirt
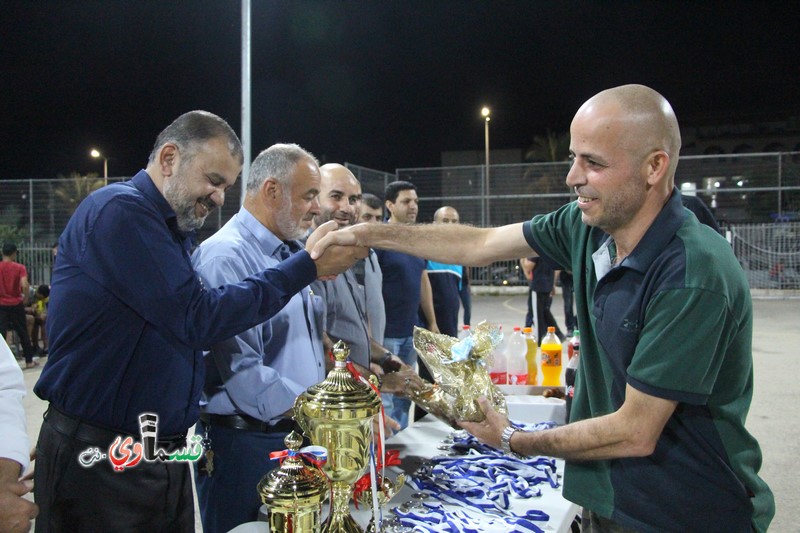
657,440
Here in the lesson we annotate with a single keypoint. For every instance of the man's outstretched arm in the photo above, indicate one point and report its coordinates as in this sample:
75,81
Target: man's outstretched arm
445,243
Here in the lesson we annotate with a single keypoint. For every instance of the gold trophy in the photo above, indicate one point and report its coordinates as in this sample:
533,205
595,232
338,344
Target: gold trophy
337,414
293,492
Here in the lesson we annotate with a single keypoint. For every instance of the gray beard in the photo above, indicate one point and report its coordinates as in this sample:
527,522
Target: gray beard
290,230
184,207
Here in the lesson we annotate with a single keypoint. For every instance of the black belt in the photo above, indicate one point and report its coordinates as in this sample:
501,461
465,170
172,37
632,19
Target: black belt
89,433
247,423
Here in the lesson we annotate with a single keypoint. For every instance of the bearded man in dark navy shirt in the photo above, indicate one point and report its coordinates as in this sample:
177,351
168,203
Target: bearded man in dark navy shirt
128,320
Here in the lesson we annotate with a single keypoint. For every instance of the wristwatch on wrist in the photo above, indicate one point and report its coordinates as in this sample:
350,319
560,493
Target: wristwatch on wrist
505,439
388,363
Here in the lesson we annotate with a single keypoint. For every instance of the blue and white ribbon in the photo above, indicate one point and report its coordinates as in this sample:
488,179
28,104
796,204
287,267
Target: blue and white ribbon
435,517
316,455
481,483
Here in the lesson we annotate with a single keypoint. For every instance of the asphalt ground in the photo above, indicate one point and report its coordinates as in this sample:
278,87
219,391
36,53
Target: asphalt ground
773,417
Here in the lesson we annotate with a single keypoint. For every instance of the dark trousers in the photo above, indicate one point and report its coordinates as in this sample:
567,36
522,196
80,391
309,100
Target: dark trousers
540,303
150,496
466,303
569,313
13,317
228,497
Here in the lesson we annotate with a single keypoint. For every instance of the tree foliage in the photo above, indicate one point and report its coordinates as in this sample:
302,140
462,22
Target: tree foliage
12,225
545,181
72,189
551,147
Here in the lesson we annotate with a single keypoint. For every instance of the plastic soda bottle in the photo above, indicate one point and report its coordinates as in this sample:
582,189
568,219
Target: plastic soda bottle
516,360
572,367
499,370
465,332
574,345
530,355
551,358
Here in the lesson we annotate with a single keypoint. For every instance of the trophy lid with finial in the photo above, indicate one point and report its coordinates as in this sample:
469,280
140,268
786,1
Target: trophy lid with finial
342,395
293,484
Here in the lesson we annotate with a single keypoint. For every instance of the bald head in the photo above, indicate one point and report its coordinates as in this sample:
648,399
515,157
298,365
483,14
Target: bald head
643,119
624,143
446,215
340,195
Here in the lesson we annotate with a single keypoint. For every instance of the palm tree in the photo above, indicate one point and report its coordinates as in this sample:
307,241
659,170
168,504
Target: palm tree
549,148
12,225
547,177
74,188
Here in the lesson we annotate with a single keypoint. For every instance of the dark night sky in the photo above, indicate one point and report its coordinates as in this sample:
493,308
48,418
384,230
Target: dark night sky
380,83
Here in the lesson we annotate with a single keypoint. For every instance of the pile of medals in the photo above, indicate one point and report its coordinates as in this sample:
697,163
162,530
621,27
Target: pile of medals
481,483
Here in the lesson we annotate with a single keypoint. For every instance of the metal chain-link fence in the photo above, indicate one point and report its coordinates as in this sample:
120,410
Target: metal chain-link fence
753,196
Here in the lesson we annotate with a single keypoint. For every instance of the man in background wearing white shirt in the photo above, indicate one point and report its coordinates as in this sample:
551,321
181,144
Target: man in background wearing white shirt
16,512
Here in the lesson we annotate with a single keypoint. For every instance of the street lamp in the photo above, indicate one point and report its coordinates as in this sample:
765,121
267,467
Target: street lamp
486,115
95,153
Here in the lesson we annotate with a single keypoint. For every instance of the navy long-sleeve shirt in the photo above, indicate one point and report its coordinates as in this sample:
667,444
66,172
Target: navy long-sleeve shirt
128,316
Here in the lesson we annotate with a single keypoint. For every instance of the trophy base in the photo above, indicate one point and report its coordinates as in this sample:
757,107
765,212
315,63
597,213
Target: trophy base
341,524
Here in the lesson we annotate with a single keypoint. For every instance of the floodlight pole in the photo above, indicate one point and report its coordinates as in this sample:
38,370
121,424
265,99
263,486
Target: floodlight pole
486,114
246,140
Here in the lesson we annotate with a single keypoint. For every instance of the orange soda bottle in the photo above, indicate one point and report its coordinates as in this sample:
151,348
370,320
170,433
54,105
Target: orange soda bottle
530,356
551,359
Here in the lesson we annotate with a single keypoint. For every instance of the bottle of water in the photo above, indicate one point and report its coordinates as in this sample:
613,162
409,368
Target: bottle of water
516,360
499,370
572,369
531,356
465,332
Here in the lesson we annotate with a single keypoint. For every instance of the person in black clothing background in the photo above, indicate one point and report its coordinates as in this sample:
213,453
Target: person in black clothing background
540,295
565,280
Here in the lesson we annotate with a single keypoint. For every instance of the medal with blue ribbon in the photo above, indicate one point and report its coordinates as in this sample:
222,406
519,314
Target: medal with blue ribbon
480,485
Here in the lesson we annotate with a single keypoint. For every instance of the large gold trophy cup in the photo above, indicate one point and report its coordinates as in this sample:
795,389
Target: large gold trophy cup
337,414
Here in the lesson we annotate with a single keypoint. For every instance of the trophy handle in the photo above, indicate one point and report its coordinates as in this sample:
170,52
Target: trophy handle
299,403
386,491
390,489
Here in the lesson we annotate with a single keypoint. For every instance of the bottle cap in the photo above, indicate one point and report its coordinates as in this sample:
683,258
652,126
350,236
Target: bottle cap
517,328
551,329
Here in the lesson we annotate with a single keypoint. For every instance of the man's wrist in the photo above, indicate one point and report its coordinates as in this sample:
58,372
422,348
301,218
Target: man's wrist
505,440
10,470
389,362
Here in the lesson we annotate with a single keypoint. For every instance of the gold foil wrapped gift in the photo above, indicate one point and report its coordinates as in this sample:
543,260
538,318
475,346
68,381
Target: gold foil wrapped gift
460,369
